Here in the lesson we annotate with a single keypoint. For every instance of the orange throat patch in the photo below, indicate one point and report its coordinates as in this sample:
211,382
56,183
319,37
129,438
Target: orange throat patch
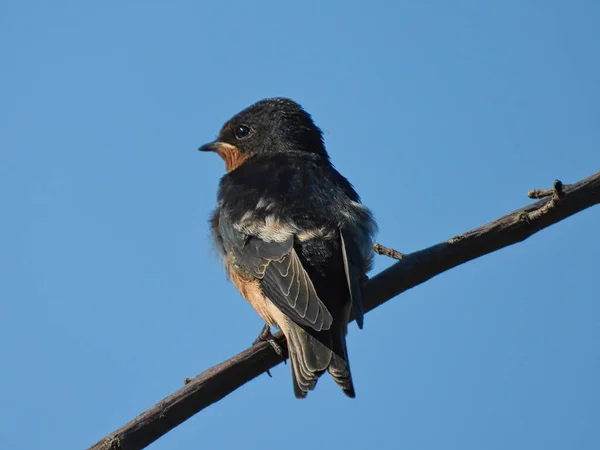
232,156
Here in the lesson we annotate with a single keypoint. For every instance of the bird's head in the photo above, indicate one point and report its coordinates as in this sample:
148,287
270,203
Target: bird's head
274,125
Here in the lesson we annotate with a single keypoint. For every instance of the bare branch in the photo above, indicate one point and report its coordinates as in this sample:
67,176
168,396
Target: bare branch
541,193
412,270
557,195
385,251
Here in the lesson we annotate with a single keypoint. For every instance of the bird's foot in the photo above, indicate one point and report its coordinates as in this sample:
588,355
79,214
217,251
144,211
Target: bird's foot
265,335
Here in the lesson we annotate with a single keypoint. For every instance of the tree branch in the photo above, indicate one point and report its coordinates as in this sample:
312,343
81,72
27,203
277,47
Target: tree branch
410,271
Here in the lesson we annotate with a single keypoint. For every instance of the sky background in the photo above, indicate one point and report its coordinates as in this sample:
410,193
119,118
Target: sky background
442,114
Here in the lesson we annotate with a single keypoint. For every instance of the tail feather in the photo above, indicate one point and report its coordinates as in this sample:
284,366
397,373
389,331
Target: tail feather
309,358
312,353
339,368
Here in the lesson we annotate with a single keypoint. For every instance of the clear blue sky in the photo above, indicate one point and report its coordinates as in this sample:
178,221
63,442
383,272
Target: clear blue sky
442,114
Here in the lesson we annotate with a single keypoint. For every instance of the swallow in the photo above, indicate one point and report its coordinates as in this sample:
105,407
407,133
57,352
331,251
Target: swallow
294,236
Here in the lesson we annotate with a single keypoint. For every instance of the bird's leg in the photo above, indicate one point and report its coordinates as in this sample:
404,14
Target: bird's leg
265,335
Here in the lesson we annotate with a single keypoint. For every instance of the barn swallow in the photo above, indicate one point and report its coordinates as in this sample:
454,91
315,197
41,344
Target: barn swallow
295,238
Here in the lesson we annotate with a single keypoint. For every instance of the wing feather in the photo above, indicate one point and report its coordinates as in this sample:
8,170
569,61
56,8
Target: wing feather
282,277
353,276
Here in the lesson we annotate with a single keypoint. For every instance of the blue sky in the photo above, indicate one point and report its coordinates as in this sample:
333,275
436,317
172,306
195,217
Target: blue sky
442,114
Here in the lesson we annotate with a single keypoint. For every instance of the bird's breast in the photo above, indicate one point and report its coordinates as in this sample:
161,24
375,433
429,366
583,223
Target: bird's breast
250,289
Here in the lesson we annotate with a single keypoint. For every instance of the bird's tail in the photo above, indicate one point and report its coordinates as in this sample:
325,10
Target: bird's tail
312,353
339,368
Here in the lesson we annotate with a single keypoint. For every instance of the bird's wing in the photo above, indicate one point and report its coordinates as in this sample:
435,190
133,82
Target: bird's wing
283,279
351,254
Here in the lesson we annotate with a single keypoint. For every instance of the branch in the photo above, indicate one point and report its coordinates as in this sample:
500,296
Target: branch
410,271
381,250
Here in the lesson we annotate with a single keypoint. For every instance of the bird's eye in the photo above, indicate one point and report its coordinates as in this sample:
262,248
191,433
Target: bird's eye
242,131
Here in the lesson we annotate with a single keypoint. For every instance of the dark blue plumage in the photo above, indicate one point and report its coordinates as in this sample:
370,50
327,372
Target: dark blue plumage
294,236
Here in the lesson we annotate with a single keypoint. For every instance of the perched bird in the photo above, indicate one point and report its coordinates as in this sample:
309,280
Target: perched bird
295,238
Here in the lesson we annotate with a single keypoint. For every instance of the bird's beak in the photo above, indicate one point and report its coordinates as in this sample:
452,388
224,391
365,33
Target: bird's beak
210,147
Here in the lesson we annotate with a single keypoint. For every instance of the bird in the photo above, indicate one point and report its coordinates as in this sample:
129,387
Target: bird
294,236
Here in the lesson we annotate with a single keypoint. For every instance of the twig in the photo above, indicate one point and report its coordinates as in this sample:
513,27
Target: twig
412,270
556,194
541,193
385,251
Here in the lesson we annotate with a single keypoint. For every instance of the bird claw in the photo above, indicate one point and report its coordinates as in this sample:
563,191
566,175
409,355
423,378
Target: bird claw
265,335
